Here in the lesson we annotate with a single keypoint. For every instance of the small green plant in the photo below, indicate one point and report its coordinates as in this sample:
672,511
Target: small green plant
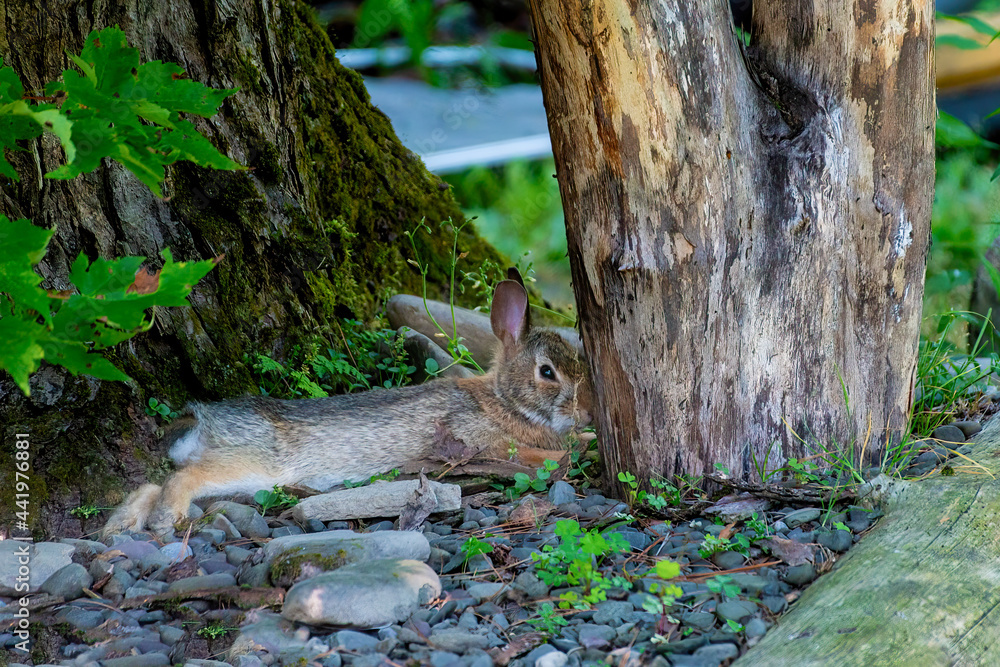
157,408
637,496
456,348
368,358
803,471
548,620
388,476
475,547
86,511
712,545
723,585
840,525
758,526
666,594
214,630
945,375
576,561
734,626
523,483
275,498
579,464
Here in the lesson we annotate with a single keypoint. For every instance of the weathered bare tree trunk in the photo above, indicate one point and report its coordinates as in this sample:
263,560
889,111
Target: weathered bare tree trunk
747,234
313,232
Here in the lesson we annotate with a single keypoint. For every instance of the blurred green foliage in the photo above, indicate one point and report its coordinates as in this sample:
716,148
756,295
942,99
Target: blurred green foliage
518,210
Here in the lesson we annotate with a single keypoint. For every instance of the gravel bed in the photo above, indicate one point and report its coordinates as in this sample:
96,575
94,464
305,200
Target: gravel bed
246,590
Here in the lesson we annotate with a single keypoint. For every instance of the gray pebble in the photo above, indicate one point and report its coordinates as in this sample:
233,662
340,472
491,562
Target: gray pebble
472,514
712,655
315,526
245,520
359,642
949,434
611,612
444,659
835,540
213,535
735,610
81,619
255,576
755,628
593,501
799,575
799,517
561,493
752,584
254,661
637,540
206,582
175,552
968,428
477,658
222,522
236,555
68,582
281,531
145,660
458,641
698,619
596,636
729,560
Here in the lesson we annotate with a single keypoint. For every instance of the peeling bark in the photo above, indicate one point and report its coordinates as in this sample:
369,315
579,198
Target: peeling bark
746,230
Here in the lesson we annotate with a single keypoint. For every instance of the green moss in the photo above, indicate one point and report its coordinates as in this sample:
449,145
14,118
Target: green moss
248,74
287,567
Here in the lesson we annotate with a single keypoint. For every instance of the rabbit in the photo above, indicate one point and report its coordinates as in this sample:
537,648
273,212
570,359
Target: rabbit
537,391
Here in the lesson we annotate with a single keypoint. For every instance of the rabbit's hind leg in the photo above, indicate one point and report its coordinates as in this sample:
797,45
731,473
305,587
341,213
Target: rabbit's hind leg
133,513
213,476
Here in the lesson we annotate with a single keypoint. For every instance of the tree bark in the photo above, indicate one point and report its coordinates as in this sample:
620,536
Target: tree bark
314,231
747,231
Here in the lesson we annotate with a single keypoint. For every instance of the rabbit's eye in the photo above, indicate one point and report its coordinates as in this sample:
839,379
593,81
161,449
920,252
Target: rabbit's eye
546,372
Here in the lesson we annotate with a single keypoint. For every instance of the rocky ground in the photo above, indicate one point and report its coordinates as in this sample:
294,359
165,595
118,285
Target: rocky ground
247,590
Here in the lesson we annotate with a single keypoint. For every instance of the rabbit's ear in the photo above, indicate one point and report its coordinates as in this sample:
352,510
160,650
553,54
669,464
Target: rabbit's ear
515,275
509,313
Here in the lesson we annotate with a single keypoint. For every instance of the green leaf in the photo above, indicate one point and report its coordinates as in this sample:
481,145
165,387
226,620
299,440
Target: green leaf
77,358
109,101
950,132
667,569
20,354
10,85
958,42
974,22
22,244
566,528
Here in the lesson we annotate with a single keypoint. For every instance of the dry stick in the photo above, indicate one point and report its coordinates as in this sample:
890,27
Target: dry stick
695,578
241,597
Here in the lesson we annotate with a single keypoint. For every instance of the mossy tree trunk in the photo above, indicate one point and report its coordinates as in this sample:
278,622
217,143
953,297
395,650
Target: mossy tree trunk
314,231
747,227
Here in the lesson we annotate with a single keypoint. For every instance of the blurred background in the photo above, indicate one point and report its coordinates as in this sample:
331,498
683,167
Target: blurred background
457,79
